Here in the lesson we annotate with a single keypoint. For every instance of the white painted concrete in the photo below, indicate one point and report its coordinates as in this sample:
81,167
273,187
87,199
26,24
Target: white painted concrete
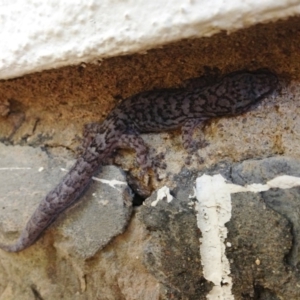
38,35
213,212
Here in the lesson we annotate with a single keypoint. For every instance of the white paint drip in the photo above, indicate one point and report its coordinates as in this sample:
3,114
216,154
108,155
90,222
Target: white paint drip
214,210
162,193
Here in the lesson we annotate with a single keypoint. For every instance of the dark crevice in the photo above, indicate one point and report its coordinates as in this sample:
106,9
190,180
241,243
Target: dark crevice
140,190
137,200
261,293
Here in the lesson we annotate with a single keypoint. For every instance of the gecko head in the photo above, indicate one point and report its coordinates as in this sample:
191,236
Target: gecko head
247,88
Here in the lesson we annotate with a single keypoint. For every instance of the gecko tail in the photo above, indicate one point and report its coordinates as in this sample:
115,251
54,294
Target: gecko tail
16,247
33,230
8,248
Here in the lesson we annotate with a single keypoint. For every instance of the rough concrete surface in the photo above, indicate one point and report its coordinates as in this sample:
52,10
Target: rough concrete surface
157,257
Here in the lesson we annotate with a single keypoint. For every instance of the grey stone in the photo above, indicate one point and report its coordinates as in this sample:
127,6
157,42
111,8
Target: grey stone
102,214
264,227
285,202
27,174
262,170
260,240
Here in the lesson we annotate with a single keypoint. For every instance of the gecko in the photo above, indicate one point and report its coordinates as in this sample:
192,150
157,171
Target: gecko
152,111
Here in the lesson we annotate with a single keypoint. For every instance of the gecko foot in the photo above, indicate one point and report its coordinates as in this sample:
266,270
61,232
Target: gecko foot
194,146
154,162
158,161
193,149
188,160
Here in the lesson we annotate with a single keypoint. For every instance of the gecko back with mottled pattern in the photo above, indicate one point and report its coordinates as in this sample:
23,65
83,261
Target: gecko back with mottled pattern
152,111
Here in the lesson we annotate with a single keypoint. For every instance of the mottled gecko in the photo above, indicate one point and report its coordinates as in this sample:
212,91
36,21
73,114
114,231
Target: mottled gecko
152,111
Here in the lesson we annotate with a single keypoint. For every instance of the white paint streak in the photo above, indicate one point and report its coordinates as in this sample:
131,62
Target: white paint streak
281,182
14,168
162,193
39,35
213,211
111,183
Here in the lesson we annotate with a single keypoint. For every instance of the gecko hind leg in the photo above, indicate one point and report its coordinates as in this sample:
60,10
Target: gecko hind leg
191,145
144,157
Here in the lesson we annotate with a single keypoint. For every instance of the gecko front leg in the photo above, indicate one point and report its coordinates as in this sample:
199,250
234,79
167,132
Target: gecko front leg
191,145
